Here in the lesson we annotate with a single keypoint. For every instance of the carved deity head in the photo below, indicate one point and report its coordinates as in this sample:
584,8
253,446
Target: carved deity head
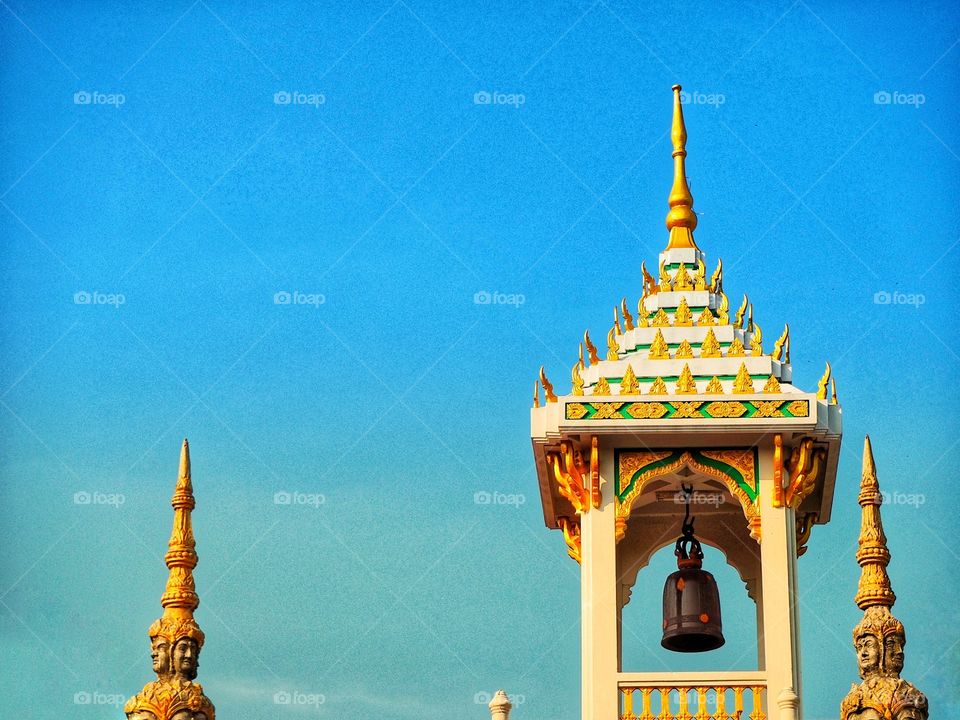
160,652
186,658
869,649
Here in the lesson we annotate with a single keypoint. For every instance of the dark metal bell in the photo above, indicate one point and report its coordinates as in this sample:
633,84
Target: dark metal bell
691,600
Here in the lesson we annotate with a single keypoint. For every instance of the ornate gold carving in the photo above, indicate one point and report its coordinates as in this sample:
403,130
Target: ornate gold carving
687,409
822,385
805,466
726,409
547,386
595,489
616,320
710,348
665,284
659,350
799,408
571,536
602,387
738,318
647,410
772,385
661,319
681,281
743,383
716,280
683,317
569,470
576,411
607,410
685,351
176,638
686,384
736,348
591,348
777,471
576,377
627,317
767,408
777,353
700,279
833,391
723,315
804,527
629,384
658,387
706,317
649,284
714,387
756,341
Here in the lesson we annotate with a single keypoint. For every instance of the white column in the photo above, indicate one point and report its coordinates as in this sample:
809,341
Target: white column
598,573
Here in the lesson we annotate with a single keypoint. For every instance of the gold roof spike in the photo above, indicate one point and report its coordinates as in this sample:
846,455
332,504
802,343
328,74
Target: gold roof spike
833,393
576,379
665,284
738,318
616,320
613,347
824,382
536,393
723,316
872,554
627,317
681,220
547,387
777,353
756,341
716,280
700,279
650,286
591,348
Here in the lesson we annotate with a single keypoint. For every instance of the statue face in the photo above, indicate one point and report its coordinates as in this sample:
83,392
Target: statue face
893,653
910,713
868,714
868,655
141,715
160,652
186,658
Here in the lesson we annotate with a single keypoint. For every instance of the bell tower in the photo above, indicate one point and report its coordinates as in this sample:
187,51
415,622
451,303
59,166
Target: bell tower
686,407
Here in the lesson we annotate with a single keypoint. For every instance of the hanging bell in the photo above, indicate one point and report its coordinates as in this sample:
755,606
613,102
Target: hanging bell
691,600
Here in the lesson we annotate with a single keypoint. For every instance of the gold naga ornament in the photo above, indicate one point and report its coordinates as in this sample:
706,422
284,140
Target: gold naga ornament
176,638
879,638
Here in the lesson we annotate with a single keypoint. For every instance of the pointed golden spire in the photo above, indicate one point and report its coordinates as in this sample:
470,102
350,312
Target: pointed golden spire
872,553
700,279
547,387
576,378
716,280
824,382
613,347
756,341
777,353
681,220
180,597
650,286
616,320
536,393
738,318
591,348
627,317
723,315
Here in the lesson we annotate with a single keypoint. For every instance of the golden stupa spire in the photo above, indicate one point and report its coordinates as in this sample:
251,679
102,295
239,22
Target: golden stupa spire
872,554
681,220
180,597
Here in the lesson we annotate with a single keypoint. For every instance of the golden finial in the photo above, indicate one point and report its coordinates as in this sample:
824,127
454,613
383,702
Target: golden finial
180,597
738,318
616,320
833,394
629,384
591,348
872,553
665,285
710,347
743,383
577,379
772,386
681,220
649,284
613,348
714,387
700,279
777,353
681,281
706,318
627,317
659,350
547,387
683,317
750,318
736,348
661,319
684,351
580,357
658,387
536,393
602,387
756,341
716,280
723,316
822,385
786,352
685,383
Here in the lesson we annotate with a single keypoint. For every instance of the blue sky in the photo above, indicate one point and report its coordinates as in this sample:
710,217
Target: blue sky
157,193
